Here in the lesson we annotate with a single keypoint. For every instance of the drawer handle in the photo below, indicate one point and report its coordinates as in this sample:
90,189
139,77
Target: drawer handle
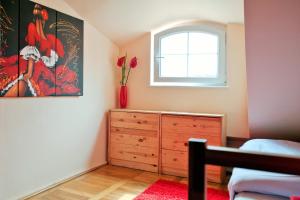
153,154
121,120
139,122
194,126
185,144
134,157
174,124
134,116
141,140
154,165
174,159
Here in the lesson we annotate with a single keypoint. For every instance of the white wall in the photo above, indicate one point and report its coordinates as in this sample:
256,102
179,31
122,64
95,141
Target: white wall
232,100
45,140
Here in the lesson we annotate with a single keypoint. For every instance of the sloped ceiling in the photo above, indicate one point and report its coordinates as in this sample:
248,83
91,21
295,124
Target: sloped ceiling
125,20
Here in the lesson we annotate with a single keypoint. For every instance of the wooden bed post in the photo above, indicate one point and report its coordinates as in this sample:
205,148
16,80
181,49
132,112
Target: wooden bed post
200,154
197,179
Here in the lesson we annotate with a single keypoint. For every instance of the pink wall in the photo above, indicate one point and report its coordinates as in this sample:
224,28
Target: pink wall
273,67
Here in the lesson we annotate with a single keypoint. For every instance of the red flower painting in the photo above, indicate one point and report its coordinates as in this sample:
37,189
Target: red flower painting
48,59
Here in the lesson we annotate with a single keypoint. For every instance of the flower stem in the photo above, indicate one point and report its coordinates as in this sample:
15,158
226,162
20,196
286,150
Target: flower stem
123,75
128,75
124,70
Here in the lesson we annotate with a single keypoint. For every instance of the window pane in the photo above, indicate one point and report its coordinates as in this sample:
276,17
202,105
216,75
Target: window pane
174,44
173,66
202,43
203,66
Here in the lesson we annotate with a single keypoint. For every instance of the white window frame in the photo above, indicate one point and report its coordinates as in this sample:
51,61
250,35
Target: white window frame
220,81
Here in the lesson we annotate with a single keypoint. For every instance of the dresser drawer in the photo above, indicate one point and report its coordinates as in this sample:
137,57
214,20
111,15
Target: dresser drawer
134,153
134,137
191,124
132,120
179,141
177,130
176,163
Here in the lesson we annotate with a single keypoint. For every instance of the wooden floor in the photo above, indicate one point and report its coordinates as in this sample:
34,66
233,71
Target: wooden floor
108,183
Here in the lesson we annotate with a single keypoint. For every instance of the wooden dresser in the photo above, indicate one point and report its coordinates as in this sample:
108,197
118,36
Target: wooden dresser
157,141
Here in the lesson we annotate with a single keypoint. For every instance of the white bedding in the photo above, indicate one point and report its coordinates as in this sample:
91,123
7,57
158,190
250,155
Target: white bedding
256,196
243,180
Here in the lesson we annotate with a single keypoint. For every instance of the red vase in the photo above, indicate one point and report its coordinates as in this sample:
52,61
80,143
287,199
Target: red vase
123,96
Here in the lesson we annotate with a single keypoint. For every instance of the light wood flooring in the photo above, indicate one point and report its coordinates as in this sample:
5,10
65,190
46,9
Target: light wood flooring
108,183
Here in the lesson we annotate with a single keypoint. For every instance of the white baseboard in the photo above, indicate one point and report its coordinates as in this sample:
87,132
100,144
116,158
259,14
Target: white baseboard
61,182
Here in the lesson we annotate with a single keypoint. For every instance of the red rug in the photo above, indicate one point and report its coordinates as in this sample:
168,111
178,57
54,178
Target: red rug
168,190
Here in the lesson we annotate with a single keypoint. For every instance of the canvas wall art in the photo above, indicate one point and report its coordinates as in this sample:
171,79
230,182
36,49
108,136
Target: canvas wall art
41,51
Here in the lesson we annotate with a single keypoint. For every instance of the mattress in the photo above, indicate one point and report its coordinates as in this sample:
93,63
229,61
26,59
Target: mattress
257,196
244,180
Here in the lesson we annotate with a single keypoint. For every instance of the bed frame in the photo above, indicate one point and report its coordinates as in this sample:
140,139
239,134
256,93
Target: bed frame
200,154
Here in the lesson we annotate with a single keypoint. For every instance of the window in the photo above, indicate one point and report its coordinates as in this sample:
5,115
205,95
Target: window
189,56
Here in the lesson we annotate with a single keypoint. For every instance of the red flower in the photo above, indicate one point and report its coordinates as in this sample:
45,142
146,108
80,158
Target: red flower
66,81
70,89
44,14
7,61
121,61
65,75
133,62
67,89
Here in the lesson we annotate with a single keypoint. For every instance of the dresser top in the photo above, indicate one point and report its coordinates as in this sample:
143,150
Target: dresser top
169,112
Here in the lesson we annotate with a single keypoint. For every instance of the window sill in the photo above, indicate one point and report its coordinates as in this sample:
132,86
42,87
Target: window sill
177,84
